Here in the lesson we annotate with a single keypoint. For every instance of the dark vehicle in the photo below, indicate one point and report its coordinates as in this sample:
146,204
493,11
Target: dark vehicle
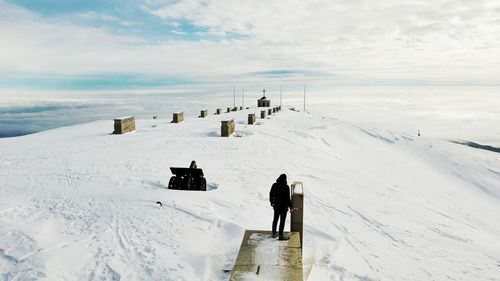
187,179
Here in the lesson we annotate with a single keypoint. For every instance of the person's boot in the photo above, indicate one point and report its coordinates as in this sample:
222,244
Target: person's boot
274,235
283,238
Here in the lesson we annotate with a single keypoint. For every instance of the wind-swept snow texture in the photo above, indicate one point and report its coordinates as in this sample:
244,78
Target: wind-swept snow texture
77,203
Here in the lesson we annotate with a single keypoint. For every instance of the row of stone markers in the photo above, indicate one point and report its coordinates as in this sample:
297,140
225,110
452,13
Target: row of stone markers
227,126
218,111
269,111
127,124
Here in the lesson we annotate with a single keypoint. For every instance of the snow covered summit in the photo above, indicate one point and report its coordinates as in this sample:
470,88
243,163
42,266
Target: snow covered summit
77,203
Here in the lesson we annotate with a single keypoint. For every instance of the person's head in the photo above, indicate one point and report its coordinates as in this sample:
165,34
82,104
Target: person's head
281,179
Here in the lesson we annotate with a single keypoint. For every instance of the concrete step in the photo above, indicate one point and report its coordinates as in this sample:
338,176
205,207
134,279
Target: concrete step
263,257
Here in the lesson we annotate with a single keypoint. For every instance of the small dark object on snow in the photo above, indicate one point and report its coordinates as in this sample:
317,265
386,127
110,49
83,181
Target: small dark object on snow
190,178
159,203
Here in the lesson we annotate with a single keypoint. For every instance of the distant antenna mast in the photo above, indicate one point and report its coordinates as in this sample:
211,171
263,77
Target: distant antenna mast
234,96
281,94
243,97
304,97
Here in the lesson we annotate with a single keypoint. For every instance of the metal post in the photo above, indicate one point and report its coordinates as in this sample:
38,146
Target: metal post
281,94
243,97
234,96
304,97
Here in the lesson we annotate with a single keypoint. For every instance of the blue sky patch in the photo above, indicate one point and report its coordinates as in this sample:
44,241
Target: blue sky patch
90,82
285,73
123,18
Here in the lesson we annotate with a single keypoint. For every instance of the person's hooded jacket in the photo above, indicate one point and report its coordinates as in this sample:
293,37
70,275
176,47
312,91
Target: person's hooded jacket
279,196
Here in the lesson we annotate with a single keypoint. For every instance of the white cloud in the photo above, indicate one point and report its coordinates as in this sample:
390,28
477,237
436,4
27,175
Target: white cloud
363,36
94,15
358,40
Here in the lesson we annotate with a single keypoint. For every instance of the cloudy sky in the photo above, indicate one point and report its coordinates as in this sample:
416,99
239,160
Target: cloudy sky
99,44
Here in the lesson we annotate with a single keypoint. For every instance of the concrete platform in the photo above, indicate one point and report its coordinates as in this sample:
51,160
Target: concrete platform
262,257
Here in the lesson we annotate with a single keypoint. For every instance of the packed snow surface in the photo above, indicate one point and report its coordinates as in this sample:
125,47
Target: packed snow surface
381,203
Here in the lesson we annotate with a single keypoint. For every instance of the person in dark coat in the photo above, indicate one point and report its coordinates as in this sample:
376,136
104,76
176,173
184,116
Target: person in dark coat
279,197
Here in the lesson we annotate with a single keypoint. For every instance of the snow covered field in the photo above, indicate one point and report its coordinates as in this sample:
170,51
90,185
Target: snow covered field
77,203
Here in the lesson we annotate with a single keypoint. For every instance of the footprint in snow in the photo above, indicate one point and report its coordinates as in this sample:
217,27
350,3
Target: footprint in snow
212,186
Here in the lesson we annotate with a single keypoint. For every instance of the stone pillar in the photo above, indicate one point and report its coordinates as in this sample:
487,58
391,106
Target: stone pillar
218,111
203,113
263,114
251,118
124,125
269,111
227,128
178,117
297,220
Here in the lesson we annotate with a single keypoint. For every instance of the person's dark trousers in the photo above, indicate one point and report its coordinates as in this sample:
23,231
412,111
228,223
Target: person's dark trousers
281,215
